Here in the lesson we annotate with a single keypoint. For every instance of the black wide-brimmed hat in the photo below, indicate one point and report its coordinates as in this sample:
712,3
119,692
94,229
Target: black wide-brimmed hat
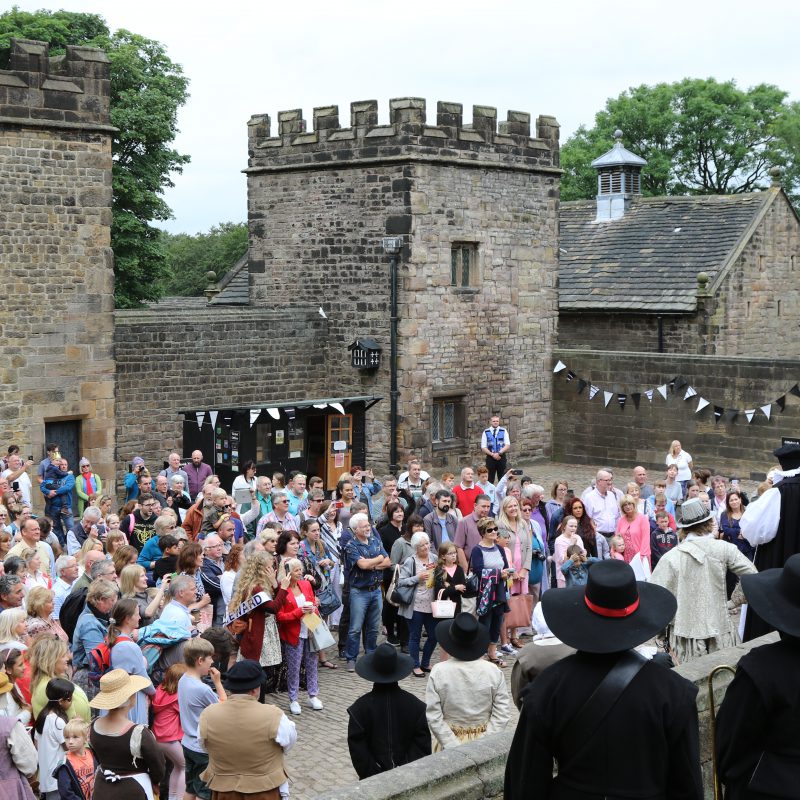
463,637
384,665
774,595
244,676
612,612
788,456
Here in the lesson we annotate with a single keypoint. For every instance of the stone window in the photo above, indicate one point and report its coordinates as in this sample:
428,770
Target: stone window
464,265
447,420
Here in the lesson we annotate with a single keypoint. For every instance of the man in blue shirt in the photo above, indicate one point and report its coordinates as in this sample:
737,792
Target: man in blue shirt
365,560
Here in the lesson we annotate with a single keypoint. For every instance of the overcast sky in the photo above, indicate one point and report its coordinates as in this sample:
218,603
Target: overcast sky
564,58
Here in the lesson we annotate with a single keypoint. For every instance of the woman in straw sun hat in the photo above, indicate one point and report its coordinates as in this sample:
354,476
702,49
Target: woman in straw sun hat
129,757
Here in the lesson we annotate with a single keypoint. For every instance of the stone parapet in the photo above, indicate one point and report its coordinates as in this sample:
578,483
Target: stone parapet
67,91
408,136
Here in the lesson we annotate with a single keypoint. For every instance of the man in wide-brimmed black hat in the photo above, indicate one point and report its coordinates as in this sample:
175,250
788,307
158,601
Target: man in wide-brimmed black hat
619,726
758,725
772,525
387,726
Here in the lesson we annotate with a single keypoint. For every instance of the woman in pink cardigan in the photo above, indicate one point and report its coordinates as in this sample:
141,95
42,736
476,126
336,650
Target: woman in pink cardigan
634,528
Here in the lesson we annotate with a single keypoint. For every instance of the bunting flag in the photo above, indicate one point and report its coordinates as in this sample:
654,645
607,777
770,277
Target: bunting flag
678,383
274,413
338,406
213,415
201,415
255,413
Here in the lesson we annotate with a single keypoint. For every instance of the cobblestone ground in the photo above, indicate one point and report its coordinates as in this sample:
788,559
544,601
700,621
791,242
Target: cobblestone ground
320,760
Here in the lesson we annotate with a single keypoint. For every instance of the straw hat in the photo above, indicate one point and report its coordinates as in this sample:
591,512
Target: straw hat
116,686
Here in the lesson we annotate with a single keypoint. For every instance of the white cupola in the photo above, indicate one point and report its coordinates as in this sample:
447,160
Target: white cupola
618,180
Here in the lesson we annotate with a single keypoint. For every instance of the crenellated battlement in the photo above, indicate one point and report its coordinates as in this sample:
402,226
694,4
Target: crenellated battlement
71,90
408,132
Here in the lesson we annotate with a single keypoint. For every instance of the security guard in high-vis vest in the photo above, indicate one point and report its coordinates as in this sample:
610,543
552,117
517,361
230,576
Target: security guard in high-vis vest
495,443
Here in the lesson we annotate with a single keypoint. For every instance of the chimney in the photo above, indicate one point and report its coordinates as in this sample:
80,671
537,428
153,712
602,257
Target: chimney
618,180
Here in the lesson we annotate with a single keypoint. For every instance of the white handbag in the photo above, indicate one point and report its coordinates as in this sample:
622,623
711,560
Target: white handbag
443,609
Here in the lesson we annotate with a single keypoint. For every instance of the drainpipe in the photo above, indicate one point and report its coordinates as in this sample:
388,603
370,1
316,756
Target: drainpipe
660,333
392,246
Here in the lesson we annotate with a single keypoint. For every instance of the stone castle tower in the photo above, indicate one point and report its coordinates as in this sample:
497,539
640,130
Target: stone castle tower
477,208
56,347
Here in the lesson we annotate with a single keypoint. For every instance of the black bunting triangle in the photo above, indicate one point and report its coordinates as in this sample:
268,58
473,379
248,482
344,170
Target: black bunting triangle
781,402
636,397
570,375
680,383
622,398
718,412
582,384
795,390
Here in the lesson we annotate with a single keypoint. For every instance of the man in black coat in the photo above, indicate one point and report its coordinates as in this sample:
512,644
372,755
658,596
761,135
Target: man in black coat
638,736
758,725
772,525
387,726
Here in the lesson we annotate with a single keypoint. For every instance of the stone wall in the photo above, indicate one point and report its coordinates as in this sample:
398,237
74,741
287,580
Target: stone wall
319,203
585,432
475,771
55,194
171,360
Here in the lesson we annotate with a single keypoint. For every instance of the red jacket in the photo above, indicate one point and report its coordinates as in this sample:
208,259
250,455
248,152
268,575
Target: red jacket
290,614
253,638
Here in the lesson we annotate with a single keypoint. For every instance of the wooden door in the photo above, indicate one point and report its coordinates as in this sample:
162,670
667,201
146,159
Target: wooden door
339,428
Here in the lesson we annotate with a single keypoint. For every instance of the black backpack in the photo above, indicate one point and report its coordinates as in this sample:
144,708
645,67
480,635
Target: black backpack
71,609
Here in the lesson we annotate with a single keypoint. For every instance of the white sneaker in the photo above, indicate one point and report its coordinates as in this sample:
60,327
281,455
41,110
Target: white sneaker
294,707
315,703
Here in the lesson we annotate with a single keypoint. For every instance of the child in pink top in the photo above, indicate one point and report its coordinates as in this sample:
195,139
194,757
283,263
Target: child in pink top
617,546
167,728
568,536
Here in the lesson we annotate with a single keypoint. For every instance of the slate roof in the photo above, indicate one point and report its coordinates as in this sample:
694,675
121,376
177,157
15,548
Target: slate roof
648,261
235,286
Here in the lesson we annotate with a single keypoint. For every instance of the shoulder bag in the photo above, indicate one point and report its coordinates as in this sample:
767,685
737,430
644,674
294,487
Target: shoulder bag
401,595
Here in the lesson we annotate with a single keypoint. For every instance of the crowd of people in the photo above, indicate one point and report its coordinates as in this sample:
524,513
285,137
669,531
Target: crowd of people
120,632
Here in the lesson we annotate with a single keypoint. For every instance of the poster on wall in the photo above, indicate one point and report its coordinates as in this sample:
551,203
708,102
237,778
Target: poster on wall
234,450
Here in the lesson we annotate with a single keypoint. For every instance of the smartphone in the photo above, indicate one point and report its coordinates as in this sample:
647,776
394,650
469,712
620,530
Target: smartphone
15,486
30,458
338,504
516,472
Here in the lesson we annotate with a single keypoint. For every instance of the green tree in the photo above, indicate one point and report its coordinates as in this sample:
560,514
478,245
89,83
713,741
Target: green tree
698,136
147,89
189,258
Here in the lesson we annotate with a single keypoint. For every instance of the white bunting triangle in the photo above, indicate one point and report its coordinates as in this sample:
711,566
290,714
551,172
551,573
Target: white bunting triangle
255,413
607,398
701,404
690,392
749,413
662,390
648,393
213,415
274,413
201,415
561,365
593,390
338,406
767,410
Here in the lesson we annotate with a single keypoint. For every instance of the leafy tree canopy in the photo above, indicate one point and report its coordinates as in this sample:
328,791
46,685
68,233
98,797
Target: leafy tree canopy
698,136
147,89
189,258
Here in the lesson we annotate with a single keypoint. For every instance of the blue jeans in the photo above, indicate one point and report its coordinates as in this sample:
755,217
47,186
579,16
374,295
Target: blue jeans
415,625
365,606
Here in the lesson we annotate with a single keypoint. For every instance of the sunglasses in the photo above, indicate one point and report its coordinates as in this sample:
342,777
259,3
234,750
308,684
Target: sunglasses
491,530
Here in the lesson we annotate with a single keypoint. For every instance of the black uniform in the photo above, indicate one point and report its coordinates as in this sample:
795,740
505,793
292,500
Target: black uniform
646,747
387,728
758,725
773,554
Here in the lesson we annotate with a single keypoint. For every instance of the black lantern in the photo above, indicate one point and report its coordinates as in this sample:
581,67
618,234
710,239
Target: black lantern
365,354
